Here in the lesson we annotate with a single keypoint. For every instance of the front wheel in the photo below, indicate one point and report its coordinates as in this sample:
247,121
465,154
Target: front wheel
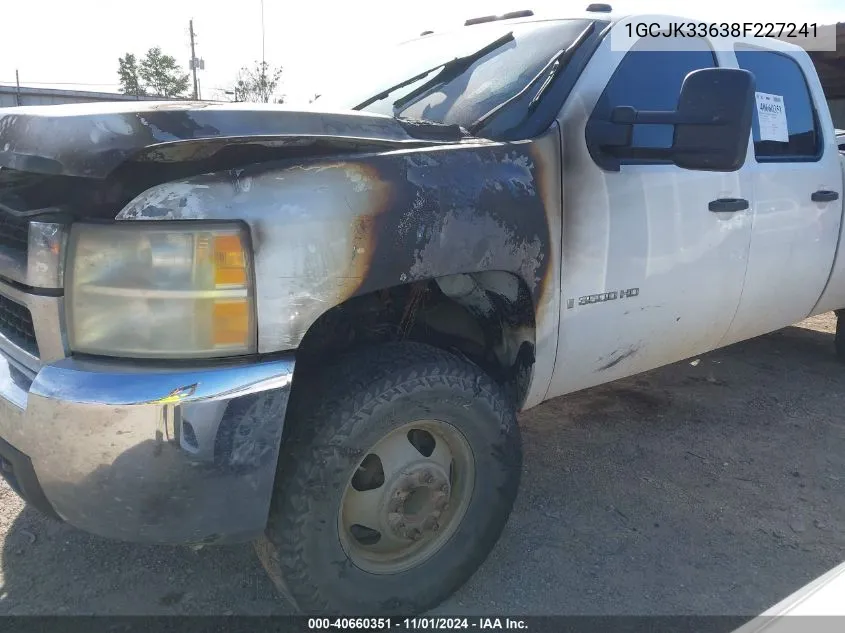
395,484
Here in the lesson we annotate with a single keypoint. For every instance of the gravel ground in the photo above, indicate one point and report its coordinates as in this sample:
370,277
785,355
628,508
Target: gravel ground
713,486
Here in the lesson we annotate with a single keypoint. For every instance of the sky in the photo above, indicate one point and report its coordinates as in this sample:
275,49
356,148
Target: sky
76,43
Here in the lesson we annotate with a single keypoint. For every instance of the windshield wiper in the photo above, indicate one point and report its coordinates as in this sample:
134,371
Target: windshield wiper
550,71
386,93
451,69
559,62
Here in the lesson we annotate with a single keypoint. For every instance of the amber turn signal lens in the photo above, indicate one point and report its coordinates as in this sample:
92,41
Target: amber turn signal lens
231,322
229,261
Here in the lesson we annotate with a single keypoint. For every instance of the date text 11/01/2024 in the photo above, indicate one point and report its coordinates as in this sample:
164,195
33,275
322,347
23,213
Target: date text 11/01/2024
416,624
603,297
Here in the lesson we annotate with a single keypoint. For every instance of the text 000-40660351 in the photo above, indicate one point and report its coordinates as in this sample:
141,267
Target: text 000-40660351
416,624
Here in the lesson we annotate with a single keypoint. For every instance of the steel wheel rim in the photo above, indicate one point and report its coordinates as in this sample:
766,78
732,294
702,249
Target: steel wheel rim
391,523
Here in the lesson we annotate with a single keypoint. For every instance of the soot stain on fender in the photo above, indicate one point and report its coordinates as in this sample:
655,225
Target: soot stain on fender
326,229
462,209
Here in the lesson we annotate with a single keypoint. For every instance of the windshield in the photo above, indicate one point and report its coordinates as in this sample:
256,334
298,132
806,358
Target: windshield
464,99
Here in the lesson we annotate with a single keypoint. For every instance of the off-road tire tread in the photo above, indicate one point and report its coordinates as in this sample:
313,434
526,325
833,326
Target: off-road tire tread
330,406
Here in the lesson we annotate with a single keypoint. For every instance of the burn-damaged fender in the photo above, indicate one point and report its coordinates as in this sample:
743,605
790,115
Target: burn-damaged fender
325,230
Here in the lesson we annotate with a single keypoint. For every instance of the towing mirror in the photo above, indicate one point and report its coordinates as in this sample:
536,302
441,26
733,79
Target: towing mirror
712,125
714,110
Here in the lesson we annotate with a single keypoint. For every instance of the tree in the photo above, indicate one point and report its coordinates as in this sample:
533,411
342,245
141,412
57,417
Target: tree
130,80
157,74
161,74
258,84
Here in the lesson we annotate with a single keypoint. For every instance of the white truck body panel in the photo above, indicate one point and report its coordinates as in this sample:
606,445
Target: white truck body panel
794,239
704,279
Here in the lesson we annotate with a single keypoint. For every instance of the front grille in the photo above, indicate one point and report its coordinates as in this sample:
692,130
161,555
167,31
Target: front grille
16,325
14,232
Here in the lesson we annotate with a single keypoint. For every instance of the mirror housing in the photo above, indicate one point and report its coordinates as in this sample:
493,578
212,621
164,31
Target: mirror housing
724,97
712,125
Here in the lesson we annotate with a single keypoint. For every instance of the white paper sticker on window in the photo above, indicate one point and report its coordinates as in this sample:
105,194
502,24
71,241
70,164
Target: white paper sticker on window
771,113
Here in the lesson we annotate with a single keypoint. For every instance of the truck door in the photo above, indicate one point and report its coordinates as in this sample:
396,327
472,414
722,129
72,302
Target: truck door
797,193
653,255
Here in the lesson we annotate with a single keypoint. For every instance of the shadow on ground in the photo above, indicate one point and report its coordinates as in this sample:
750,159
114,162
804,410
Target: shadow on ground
709,488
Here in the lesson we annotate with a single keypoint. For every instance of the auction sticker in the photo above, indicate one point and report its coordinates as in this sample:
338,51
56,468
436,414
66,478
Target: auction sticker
771,114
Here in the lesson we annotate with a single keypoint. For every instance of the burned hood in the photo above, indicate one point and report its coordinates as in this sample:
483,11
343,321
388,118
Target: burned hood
91,140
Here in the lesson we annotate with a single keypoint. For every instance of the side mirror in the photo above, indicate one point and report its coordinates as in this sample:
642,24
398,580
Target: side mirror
712,124
715,110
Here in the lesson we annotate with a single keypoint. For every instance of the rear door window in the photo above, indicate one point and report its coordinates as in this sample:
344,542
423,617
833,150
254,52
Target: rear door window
778,75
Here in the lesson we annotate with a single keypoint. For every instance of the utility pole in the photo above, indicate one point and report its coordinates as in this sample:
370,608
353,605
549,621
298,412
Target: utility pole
18,88
262,34
194,61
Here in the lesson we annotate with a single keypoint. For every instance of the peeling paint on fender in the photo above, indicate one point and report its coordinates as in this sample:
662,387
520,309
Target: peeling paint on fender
325,230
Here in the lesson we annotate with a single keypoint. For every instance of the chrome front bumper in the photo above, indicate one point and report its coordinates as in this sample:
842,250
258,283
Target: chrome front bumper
118,449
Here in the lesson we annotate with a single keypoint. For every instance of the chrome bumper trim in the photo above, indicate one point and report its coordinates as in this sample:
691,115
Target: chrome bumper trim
151,455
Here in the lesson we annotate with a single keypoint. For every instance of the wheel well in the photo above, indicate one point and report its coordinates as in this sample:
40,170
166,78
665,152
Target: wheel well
487,318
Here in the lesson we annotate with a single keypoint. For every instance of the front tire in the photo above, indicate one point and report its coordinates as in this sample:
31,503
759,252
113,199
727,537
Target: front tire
396,482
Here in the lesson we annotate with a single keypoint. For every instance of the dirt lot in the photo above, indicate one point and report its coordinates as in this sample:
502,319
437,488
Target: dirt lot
708,487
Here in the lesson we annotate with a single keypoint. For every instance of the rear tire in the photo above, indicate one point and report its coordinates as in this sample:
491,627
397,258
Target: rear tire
445,439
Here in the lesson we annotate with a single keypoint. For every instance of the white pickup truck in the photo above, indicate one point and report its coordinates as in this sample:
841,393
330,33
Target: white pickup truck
314,329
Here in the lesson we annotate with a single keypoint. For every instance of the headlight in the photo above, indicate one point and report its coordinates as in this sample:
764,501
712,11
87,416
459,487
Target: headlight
160,290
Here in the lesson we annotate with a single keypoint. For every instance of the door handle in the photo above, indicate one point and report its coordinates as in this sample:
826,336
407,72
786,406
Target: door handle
728,205
824,196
